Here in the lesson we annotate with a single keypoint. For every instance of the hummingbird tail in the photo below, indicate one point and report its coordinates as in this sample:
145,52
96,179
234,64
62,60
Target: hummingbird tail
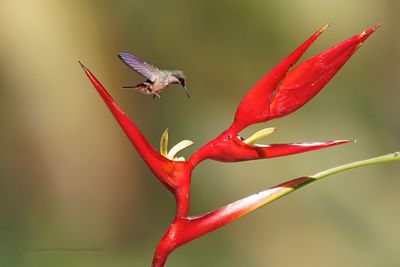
140,87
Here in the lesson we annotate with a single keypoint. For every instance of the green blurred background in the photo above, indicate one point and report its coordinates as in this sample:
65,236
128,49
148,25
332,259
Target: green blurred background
69,178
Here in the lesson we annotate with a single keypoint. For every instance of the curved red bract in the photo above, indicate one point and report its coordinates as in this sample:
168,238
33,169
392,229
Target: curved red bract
229,147
266,100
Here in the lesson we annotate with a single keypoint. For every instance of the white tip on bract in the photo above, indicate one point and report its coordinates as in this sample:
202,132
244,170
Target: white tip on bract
324,28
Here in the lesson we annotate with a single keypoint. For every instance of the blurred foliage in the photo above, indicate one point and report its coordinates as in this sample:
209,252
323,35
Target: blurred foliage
70,179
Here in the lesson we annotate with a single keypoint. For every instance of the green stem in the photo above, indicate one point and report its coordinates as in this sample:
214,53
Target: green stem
361,163
283,189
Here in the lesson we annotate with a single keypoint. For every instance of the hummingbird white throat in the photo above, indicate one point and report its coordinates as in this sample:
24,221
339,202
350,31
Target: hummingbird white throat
157,80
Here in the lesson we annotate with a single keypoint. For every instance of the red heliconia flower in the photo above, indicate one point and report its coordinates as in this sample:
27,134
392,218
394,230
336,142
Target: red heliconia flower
277,94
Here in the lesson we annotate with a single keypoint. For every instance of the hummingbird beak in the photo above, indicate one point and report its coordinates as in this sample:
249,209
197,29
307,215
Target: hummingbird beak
182,83
186,91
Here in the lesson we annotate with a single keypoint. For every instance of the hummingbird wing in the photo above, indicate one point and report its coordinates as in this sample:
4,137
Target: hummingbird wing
139,65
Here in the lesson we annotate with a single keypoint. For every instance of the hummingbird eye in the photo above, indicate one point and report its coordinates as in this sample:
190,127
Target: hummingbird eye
182,81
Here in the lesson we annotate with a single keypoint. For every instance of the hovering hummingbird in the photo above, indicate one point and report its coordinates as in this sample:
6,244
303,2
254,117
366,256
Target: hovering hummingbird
157,80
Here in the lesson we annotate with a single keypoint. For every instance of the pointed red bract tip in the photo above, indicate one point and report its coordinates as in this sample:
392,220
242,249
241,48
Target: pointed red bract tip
368,32
324,28
83,66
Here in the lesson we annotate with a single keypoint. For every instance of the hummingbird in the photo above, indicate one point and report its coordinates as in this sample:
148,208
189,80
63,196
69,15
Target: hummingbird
157,80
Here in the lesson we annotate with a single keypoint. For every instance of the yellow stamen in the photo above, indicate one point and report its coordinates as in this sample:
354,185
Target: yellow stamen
164,143
178,147
179,159
258,135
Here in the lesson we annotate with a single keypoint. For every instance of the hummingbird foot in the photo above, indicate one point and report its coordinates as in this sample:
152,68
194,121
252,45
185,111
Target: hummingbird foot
156,96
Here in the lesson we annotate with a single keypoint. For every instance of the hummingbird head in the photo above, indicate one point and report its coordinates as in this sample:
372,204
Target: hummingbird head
181,79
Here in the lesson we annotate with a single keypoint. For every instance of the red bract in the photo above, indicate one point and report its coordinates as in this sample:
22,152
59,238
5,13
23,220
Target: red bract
229,147
275,95
158,164
266,100
308,78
